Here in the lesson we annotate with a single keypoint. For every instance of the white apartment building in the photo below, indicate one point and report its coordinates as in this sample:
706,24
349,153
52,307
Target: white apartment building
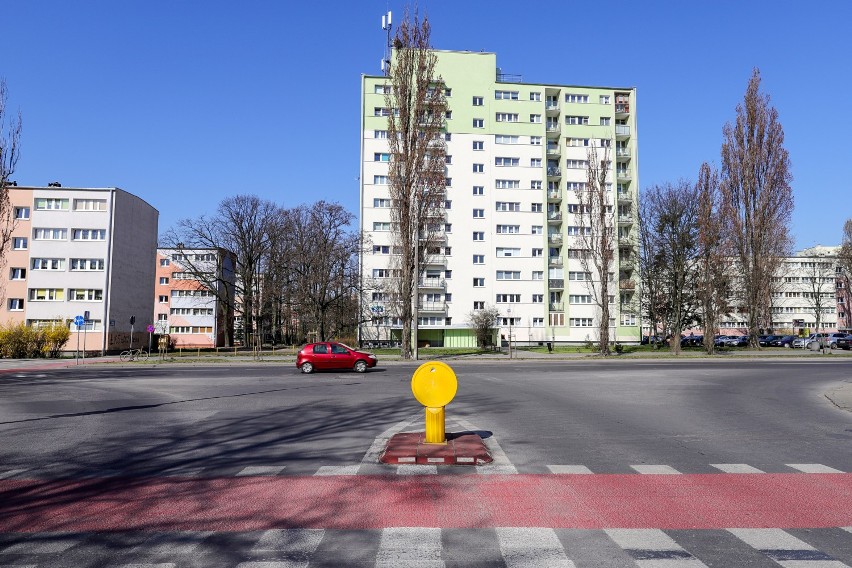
81,250
517,154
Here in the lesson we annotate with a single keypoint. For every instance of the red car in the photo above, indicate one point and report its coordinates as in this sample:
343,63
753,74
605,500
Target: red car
329,355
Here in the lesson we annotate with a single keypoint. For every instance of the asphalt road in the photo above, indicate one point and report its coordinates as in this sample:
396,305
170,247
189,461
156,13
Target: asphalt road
258,433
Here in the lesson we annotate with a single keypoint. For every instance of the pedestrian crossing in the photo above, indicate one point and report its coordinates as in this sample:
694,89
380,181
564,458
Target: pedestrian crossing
432,547
499,467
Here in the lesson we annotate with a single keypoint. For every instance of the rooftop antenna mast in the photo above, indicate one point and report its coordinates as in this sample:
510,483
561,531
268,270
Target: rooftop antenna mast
387,25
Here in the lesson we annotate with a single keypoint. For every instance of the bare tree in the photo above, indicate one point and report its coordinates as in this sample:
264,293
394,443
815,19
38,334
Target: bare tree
596,239
652,299
10,148
713,255
818,274
484,322
757,198
323,254
417,178
844,277
241,224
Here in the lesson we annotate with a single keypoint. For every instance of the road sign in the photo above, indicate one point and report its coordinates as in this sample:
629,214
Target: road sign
132,320
150,328
86,315
79,321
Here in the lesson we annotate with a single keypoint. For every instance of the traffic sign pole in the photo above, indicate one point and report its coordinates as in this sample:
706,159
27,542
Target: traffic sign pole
78,321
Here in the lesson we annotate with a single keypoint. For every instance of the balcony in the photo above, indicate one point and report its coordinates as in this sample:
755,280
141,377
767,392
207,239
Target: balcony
553,128
553,150
554,261
554,238
623,175
626,284
622,131
435,259
624,240
622,108
556,283
437,237
435,307
624,197
553,171
622,153
625,219
554,194
438,283
554,216
556,306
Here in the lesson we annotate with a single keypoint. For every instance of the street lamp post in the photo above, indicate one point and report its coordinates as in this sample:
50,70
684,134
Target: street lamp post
509,311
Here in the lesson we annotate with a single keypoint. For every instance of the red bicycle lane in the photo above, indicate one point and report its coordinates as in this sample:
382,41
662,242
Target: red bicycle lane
690,501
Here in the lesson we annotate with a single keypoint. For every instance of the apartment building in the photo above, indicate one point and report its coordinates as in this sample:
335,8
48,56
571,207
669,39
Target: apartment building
194,296
78,251
517,154
809,282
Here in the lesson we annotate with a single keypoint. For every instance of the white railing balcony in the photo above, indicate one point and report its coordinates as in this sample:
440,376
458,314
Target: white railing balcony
554,194
624,196
432,283
622,130
553,171
622,152
556,306
433,307
556,283
555,261
623,174
555,238
554,215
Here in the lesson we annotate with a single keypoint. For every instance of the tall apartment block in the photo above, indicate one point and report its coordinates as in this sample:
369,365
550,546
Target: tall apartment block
194,292
517,154
78,250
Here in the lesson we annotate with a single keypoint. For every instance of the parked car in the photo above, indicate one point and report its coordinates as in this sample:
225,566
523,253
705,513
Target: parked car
844,342
691,340
737,341
799,342
721,340
783,341
832,339
330,355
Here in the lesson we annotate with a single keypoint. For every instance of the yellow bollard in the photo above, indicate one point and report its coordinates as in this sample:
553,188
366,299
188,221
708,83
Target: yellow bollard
434,385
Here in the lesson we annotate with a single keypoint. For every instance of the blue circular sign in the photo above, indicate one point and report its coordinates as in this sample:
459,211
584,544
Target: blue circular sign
79,321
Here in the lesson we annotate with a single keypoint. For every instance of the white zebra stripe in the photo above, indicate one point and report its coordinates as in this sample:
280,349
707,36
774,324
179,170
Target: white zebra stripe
532,548
417,469
785,549
267,470
410,547
812,468
652,548
338,470
736,468
655,469
576,469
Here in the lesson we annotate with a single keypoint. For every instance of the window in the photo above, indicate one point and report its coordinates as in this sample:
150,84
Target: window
535,162
478,282
381,202
479,123
164,299
506,162
165,262
95,264
22,212
164,279
576,164
448,159
448,92
576,120
506,251
88,235
575,98
381,111
508,229
478,168
579,299
479,305
380,180
381,249
16,304
448,136
538,322
506,95
81,295
448,274
537,230
628,319
51,204
382,89
479,213
18,274
479,259
508,298
557,320
535,96
579,276
605,121
604,99
448,114
506,117
576,186
162,317
580,322
508,275
448,182
535,184
478,190
538,274
505,139
535,118
508,206
535,207
448,227
48,264
45,234
381,226
535,140
478,145
538,298
90,205
478,101
380,134
478,236
381,157
47,294
507,183
537,252
578,142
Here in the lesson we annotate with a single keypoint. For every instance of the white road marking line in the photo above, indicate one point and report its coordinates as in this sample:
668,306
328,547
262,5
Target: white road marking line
785,549
299,541
812,468
655,469
161,565
501,463
338,470
532,548
577,469
736,468
11,473
652,548
274,564
262,470
410,547
417,469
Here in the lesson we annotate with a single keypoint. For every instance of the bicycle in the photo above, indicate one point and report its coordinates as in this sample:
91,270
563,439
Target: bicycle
133,355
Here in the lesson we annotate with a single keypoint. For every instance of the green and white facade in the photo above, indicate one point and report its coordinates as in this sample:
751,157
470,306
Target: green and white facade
517,153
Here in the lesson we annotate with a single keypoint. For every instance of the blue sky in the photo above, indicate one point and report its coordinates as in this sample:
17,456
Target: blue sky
186,102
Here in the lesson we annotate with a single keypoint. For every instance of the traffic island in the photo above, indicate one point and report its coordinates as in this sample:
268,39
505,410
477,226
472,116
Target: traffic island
408,448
